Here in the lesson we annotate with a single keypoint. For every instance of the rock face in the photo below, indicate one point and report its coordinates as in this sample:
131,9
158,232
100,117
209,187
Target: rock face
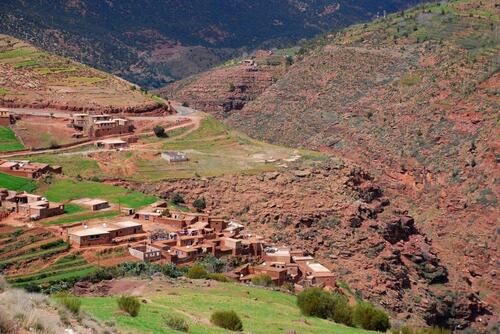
315,212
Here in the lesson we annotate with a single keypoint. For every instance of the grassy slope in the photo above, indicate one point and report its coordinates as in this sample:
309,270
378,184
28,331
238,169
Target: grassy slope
64,189
16,183
261,311
8,140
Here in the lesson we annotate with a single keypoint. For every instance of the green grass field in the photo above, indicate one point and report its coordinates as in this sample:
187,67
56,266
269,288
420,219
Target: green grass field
8,140
73,165
16,183
81,217
64,190
262,311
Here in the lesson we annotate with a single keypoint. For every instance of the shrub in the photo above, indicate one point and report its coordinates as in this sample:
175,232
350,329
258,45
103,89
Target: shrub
197,272
213,264
7,325
227,319
367,316
70,302
200,204
185,104
218,277
129,304
315,302
159,131
177,199
262,280
342,312
176,323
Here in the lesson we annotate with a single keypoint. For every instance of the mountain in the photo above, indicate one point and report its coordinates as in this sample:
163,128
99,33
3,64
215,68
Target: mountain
30,77
413,98
155,42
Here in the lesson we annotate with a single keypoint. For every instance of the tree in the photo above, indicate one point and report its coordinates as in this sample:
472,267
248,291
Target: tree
200,204
160,131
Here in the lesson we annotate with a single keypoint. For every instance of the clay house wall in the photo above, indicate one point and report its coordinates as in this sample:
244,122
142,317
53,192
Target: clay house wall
217,224
145,252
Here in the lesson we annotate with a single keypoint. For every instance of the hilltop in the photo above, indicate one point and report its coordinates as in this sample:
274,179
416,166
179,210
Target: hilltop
32,78
153,43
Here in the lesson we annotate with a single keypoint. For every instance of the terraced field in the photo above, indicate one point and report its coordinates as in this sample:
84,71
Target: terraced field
67,268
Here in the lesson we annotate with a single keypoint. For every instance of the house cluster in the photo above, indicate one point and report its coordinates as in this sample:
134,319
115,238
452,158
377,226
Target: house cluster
34,206
95,126
182,238
27,169
285,265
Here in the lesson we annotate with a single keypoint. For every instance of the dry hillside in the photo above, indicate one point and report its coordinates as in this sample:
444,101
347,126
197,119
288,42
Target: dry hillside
32,78
413,98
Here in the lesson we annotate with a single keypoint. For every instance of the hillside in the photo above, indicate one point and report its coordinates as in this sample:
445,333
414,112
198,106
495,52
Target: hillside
414,100
152,43
31,78
230,86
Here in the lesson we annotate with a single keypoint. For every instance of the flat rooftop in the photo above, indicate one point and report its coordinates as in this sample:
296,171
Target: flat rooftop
90,231
318,268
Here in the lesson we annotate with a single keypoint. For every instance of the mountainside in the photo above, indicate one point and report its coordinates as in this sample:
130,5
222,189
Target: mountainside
154,42
231,86
413,98
33,78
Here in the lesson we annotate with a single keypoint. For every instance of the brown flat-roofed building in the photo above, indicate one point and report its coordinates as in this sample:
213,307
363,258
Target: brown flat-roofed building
94,204
145,253
27,169
102,233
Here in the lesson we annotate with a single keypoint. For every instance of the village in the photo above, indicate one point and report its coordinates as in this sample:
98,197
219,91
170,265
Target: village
156,233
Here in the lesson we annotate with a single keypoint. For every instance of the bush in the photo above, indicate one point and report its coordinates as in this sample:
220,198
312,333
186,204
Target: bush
367,316
176,323
213,264
342,312
316,303
200,204
70,302
129,304
197,272
177,199
262,280
218,277
159,131
227,319
185,104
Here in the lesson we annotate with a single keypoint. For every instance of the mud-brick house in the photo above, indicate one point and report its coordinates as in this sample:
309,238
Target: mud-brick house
30,170
174,156
103,233
6,118
34,206
93,204
111,144
315,274
145,253
277,271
